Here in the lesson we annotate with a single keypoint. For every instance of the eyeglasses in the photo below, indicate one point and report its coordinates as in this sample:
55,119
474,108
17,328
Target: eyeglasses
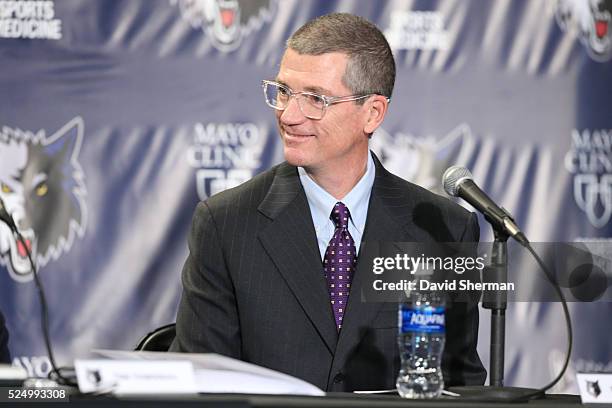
311,104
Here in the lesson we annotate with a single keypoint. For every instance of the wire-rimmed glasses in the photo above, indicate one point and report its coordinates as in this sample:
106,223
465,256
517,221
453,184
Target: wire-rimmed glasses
311,104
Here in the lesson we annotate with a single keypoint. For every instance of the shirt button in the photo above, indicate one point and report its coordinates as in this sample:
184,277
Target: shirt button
339,378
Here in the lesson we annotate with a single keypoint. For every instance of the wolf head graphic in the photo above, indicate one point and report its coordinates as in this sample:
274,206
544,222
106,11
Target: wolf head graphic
226,22
42,186
422,159
591,20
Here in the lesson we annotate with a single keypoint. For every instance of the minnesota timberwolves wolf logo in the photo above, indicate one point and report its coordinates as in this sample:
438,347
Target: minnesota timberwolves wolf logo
590,20
226,22
41,184
423,159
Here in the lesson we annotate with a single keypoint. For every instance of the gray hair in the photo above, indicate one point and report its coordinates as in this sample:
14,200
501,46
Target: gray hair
370,67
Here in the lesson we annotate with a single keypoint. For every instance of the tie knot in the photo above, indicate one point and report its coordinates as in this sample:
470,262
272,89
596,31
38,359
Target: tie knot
340,215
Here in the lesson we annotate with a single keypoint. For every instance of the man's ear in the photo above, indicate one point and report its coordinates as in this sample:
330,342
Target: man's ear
376,106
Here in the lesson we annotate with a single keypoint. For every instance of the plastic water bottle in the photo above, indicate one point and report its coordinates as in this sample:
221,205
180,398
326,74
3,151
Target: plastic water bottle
421,337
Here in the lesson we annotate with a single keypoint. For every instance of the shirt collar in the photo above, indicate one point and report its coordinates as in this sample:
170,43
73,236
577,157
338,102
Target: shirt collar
321,202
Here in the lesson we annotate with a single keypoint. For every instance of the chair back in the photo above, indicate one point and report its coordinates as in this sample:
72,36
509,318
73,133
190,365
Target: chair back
159,339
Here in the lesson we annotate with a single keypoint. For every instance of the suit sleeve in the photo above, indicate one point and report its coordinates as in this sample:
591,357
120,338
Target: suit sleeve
461,363
207,319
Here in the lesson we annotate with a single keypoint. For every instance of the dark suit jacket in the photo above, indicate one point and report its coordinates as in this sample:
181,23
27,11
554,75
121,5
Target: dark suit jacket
5,357
253,284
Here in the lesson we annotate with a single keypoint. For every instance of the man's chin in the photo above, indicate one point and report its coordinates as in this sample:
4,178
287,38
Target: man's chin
296,158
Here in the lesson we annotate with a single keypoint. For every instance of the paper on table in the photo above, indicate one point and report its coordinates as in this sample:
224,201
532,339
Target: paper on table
9,372
390,391
221,374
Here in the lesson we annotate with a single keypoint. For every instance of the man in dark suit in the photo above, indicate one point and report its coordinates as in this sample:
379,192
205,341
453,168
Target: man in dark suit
5,357
260,283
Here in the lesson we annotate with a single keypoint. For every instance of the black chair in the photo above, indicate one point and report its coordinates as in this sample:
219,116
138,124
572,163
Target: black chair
159,339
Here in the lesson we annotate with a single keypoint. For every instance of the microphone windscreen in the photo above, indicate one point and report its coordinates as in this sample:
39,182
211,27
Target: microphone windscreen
453,177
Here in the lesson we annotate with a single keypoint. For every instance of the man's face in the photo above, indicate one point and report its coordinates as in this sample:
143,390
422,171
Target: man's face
338,139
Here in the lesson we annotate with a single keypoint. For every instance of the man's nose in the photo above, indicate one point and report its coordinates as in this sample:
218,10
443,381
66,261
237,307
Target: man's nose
292,114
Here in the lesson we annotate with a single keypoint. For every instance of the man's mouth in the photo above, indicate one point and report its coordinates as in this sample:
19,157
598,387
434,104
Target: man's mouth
298,136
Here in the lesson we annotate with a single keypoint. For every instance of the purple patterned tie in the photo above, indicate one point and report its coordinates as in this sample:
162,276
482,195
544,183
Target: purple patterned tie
339,262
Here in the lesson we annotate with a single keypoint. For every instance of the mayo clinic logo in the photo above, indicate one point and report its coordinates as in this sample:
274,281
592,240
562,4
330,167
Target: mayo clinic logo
226,22
225,155
423,159
29,20
590,161
590,21
417,30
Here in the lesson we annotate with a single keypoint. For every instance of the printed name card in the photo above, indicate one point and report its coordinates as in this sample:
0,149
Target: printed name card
135,377
595,387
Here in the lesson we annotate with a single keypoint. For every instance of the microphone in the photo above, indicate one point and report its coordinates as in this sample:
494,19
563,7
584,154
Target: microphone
458,182
8,219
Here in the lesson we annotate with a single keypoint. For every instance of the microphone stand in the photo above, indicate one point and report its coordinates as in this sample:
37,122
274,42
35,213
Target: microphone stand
458,183
10,222
497,302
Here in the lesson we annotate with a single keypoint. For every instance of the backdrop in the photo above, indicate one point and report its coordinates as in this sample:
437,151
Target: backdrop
117,117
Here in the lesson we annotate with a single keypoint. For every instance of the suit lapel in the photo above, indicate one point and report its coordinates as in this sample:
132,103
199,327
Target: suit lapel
290,240
389,220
